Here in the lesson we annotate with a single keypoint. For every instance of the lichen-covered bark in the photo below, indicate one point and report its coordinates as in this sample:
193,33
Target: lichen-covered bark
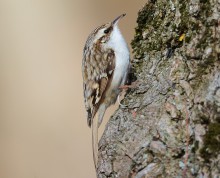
171,125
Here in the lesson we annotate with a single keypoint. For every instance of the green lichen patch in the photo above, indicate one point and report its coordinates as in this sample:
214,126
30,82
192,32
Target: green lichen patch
211,142
183,27
206,10
156,31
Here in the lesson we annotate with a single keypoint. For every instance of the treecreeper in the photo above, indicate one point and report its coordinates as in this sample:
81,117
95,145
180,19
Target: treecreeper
105,67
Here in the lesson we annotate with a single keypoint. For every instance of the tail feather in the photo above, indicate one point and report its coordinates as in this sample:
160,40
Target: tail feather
96,121
95,140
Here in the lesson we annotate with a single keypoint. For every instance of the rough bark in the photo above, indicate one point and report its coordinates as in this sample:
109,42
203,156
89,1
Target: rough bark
170,126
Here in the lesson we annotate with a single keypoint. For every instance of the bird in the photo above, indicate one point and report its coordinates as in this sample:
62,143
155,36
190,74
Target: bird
105,67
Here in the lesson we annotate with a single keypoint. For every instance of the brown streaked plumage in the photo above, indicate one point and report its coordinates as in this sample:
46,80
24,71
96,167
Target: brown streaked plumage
98,70
104,68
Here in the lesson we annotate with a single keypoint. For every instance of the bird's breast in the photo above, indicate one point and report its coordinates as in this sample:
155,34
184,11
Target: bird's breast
122,58
121,68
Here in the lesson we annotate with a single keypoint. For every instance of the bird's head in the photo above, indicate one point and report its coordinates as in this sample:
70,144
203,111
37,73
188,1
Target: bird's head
103,33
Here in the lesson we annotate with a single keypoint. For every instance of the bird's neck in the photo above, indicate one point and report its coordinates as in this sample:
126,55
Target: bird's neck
117,41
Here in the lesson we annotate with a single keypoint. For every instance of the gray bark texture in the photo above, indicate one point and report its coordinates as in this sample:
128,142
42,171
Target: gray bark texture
170,126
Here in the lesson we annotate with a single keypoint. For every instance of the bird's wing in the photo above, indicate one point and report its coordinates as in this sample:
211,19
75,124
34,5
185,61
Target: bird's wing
97,68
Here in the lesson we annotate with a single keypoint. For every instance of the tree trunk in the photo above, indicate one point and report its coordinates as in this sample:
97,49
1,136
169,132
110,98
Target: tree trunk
170,124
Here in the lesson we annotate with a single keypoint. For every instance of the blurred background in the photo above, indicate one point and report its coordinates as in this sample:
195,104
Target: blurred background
43,128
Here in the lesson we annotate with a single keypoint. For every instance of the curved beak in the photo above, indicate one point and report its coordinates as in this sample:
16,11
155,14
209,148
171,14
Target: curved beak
114,22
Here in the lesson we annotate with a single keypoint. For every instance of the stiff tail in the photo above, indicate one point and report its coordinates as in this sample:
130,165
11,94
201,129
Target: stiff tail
95,140
96,122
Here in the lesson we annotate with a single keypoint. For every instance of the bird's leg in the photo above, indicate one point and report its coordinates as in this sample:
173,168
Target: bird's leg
119,102
132,85
125,88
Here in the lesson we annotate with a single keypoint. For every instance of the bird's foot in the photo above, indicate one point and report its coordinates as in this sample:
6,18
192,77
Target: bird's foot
132,85
119,102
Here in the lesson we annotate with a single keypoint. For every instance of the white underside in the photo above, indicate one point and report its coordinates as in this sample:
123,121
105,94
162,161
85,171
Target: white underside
122,60
118,44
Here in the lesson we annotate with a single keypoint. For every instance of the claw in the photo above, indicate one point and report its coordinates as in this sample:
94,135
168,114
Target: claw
119,102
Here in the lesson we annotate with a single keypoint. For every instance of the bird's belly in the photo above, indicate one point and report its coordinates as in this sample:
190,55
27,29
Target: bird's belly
119,78
120,72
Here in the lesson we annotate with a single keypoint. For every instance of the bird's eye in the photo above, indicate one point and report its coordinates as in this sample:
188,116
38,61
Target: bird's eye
106,31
